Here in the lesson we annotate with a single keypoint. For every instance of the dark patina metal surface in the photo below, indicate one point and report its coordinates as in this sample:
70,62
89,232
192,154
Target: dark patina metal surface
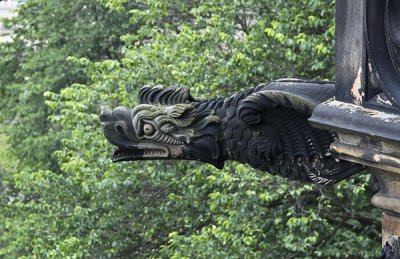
354,124
365,111
265,127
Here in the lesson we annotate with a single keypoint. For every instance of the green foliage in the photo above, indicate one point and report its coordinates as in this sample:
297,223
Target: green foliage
46,33
85,206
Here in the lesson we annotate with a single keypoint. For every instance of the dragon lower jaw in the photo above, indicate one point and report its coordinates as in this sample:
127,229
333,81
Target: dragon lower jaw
141,152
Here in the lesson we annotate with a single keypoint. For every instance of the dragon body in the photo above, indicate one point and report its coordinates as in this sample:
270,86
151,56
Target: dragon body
265,127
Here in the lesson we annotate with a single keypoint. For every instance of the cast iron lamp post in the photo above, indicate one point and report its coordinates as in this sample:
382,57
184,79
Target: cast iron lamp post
366,110
302,130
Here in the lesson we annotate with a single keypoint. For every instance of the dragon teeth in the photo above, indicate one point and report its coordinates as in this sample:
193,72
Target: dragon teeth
153,153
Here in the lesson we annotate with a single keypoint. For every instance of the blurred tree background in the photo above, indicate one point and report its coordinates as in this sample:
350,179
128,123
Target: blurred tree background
60,195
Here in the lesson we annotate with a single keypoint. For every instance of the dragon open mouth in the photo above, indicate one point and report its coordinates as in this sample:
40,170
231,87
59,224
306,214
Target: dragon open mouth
140,152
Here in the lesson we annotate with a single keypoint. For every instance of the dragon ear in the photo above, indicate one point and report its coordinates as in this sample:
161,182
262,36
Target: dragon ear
167,96
181,115
181,110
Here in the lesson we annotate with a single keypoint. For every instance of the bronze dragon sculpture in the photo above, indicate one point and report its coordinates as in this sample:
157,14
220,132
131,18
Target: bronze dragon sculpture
265,127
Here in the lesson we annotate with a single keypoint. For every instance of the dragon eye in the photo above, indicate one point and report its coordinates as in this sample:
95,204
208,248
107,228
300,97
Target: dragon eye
148,129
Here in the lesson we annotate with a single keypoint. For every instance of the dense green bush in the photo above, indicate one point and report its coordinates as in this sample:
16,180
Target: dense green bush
65,198
46,33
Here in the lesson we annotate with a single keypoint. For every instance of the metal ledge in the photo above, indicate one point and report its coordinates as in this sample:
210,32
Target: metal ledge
366,136
353,119
386,202
368,157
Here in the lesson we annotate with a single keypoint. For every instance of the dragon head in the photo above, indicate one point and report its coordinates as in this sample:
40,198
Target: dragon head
165,125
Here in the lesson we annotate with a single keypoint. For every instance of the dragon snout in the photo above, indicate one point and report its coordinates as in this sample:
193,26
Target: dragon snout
117,125
105,115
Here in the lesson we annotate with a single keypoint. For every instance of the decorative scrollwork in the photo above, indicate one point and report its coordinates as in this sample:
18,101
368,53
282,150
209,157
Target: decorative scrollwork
383,31
393,32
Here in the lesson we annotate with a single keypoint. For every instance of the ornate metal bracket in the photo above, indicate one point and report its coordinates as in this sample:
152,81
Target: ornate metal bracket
265,127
